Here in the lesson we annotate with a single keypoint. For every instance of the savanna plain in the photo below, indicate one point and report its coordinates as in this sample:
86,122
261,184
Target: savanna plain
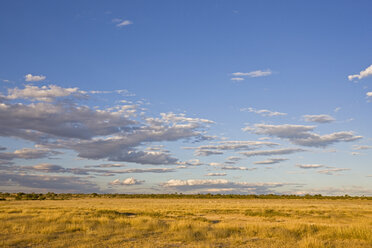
147,222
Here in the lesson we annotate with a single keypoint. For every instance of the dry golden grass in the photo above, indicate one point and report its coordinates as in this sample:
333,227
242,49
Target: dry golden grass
186,223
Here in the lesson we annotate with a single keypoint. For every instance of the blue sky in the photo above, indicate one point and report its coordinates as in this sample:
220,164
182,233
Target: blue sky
186,96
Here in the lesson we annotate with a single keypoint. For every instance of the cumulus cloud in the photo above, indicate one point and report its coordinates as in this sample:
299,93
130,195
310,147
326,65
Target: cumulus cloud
220,185
309,166
369,94
34,78
38,120
253,74
319,118
272,152
44,93
302,135
263,112
220,147
129,181
271,161
94,133
365,73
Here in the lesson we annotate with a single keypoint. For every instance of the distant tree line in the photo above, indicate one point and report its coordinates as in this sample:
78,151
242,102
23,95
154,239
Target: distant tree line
68,196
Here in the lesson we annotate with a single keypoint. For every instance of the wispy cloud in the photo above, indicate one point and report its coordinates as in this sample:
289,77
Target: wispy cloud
365,73
34,78
216,174
309,166
337,109
252,74
121,22
237,79
271,161
302,135
233,145
191,162
319,118
272,152
263,112
237,168
332,171
358,147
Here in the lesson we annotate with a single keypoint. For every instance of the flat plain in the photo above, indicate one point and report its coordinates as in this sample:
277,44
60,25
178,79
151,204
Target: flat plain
99,222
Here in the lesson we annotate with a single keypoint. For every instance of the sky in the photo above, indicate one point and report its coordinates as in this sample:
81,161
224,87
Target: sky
221,97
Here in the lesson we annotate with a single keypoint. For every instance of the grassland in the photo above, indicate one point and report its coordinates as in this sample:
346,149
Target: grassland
146,222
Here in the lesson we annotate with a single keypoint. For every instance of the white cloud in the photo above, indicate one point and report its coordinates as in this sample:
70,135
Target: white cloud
215,164
253,74
319,118
369,94
34,78
122,23
263,112
301,135
43,93
128,181
237,79
271,161
309,166
216,174
365,73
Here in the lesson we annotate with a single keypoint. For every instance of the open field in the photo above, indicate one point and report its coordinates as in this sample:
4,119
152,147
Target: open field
99,222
